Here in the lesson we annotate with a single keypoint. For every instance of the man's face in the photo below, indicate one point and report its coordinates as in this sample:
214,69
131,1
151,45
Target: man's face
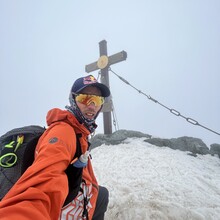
89,111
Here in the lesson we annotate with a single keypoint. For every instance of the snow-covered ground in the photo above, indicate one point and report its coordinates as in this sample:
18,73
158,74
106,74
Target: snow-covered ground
149,182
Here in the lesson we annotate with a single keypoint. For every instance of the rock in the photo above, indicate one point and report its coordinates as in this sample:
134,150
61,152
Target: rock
194,145
159,142
215,149
116,137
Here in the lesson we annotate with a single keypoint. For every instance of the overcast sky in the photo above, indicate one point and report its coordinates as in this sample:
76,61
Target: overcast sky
173,52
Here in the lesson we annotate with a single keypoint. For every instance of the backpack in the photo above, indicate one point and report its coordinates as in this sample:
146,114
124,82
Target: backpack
17,154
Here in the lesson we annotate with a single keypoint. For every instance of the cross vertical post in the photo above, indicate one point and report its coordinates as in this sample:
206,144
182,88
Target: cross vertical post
107,118
103,63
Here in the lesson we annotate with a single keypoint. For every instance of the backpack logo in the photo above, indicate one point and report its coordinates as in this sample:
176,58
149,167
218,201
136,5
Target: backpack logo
8,156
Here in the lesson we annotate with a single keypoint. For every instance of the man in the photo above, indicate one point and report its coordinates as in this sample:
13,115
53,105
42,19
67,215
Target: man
41,191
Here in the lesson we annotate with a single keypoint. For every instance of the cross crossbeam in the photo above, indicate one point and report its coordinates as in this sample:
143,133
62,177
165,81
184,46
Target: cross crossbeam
103,64
116,58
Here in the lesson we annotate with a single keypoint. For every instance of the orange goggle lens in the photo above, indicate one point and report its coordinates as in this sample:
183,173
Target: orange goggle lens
89,99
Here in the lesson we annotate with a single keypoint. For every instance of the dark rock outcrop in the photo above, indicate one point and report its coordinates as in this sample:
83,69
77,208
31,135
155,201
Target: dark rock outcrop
215,149
193,145
116,138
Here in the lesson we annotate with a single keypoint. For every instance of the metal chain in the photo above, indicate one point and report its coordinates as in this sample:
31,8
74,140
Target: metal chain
173,111
115,121
99,74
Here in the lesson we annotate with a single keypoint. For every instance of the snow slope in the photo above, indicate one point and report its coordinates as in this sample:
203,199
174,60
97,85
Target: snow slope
149,182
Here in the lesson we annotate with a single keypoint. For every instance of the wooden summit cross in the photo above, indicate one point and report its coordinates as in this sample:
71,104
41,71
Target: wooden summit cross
103,63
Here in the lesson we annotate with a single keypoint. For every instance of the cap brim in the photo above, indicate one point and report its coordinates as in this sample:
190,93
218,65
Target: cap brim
104,89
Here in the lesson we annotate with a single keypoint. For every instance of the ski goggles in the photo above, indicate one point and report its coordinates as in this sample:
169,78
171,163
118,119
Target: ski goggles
87,99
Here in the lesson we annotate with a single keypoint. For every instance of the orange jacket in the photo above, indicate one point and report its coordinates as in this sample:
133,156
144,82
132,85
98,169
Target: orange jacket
42,189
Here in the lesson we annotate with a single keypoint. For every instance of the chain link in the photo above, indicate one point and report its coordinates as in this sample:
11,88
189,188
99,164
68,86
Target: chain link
115,121
173,111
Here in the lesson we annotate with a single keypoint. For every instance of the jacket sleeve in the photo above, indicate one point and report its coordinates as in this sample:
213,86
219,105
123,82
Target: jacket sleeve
42,189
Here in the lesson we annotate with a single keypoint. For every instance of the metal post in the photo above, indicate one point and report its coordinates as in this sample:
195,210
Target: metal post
107,118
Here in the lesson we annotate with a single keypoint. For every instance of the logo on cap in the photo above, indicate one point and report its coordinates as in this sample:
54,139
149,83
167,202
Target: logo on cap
89,80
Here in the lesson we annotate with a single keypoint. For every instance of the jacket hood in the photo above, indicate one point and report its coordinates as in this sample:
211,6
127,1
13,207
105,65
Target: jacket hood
56,115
